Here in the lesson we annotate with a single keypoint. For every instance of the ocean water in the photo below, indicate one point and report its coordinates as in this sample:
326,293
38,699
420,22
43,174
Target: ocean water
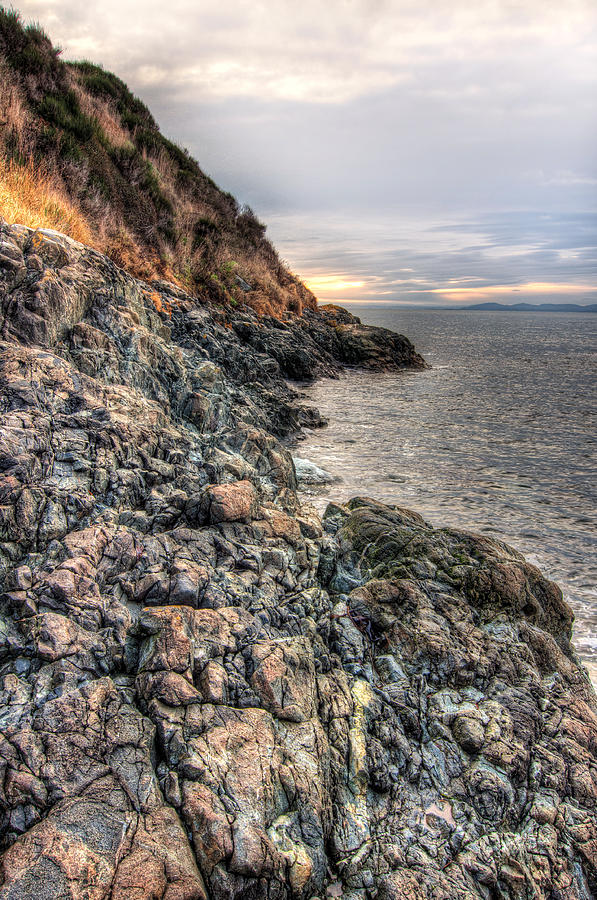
499,437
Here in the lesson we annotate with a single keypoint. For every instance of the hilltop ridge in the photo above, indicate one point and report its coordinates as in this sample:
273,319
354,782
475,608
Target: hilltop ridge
81,154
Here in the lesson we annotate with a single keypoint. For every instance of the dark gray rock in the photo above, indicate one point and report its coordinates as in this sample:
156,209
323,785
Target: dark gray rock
206,693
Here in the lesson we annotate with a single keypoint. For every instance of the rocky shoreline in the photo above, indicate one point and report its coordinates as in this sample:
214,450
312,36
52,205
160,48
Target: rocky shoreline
210,692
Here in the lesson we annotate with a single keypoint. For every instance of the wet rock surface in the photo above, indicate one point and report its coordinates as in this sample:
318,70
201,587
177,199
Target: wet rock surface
206,692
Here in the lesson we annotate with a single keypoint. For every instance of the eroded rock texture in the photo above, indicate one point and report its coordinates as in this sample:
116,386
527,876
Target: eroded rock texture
206,692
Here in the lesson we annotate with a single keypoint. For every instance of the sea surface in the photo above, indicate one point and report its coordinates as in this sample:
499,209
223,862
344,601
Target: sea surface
499,437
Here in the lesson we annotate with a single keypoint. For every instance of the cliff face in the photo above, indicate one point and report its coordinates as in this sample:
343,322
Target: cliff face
206,691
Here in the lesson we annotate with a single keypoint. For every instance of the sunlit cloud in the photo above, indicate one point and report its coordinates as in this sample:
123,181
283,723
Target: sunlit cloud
326,283
315,51
457,262
536,289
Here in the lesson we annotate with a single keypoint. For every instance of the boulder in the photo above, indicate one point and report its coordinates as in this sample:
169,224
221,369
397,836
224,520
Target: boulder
308,473
236,502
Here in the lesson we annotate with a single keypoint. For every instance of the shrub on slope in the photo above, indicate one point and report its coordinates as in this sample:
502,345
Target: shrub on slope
76,132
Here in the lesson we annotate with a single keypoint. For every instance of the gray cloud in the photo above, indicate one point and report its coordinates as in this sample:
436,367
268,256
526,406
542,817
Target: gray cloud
450,138
408,261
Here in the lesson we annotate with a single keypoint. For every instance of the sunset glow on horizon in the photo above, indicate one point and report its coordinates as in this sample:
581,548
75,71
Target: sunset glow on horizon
328,288
536,289
325,283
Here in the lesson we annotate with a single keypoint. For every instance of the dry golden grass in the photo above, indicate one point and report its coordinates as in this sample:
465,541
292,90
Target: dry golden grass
29,197
15,120
105,114
124,250
162,305
12,112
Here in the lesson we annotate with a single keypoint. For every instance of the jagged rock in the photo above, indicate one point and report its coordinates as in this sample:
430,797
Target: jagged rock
308,473
205,691
469,649
232,502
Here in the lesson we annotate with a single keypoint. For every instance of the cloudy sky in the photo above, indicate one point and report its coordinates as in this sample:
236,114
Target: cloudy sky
413,151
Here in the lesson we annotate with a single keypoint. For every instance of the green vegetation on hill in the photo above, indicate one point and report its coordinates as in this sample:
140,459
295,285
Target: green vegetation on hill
77,131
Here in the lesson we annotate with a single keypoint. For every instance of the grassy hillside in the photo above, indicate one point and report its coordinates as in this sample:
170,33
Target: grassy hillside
80,153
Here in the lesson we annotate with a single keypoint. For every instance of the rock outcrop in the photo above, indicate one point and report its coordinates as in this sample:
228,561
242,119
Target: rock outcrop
207,691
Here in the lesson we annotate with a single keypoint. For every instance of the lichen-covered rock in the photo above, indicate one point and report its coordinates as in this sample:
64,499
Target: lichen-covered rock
480,718
205,691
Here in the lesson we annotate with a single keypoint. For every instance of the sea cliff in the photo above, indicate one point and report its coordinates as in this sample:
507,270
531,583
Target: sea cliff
208,691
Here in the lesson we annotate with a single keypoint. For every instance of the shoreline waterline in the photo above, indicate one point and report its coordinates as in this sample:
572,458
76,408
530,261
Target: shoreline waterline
497,437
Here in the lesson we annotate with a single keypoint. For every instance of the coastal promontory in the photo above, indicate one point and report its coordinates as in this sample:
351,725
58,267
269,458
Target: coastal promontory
207,690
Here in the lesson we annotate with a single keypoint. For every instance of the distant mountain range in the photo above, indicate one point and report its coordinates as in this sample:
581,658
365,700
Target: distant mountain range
534,307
